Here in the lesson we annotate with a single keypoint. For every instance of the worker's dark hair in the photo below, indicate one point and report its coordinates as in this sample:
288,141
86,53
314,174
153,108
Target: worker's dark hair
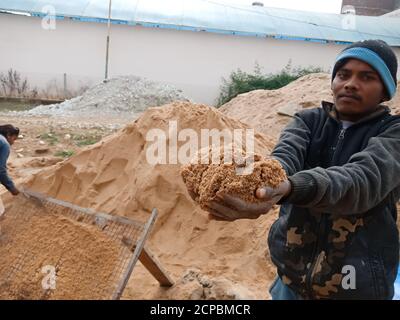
9,130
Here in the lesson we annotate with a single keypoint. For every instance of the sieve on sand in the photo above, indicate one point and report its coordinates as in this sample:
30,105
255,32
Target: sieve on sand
130,234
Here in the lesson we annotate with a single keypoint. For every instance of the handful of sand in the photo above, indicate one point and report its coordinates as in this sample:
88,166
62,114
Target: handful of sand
205,182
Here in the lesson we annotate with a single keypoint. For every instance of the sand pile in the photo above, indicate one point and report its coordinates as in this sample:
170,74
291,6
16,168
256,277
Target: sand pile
264,109
394,104
115,176
259,108
84,258
123,95
208,181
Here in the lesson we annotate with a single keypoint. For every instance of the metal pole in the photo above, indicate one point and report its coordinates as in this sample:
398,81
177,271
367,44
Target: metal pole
65,86
108,39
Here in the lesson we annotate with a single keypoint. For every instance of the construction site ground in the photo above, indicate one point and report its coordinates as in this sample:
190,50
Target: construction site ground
59,156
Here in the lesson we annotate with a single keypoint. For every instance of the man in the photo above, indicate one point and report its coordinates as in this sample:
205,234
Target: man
336,236
8,135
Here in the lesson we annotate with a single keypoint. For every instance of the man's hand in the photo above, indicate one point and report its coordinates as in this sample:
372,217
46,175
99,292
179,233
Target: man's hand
230,207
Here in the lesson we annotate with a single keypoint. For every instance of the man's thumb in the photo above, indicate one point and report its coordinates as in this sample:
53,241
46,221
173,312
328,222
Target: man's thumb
268,193
264,193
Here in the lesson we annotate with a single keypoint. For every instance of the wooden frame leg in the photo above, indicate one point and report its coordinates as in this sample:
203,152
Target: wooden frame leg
150,262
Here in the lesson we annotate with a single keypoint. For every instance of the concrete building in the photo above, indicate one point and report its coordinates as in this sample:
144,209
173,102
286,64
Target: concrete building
189,46
393,14
372,7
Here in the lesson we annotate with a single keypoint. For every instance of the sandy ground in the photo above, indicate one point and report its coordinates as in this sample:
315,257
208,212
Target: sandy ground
77,266
47,140
207,259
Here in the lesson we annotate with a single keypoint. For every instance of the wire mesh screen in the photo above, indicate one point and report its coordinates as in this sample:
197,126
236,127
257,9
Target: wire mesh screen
50,249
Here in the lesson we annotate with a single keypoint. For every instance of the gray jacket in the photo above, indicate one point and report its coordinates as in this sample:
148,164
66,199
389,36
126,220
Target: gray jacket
340,218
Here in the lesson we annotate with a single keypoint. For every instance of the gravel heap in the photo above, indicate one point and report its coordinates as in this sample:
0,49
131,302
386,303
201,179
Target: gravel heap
116,97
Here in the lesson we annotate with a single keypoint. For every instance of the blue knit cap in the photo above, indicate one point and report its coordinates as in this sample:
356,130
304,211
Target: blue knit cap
378,55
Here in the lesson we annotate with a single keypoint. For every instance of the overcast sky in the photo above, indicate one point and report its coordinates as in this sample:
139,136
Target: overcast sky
332,6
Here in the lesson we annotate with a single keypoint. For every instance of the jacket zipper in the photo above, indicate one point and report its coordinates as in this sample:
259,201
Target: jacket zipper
338,145
322,224
341,135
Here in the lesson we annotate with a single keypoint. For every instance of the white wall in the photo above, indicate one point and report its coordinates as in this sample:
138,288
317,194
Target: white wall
192,61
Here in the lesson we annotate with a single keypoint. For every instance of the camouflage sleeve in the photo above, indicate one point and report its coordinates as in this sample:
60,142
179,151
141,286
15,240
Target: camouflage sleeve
292,146
356,187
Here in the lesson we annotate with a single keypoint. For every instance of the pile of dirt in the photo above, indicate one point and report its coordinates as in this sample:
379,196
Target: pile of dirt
268,110
115,176
118,96
194,285
83,257
394,104
208,181
259,108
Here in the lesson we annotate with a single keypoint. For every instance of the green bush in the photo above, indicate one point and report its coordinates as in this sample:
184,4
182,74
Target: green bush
241,82
64,153
50,137
83,140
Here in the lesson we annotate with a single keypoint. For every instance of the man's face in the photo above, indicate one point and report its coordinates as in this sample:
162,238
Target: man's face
357,90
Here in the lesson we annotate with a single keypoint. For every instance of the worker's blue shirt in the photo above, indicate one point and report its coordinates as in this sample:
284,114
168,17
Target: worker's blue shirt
5,180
